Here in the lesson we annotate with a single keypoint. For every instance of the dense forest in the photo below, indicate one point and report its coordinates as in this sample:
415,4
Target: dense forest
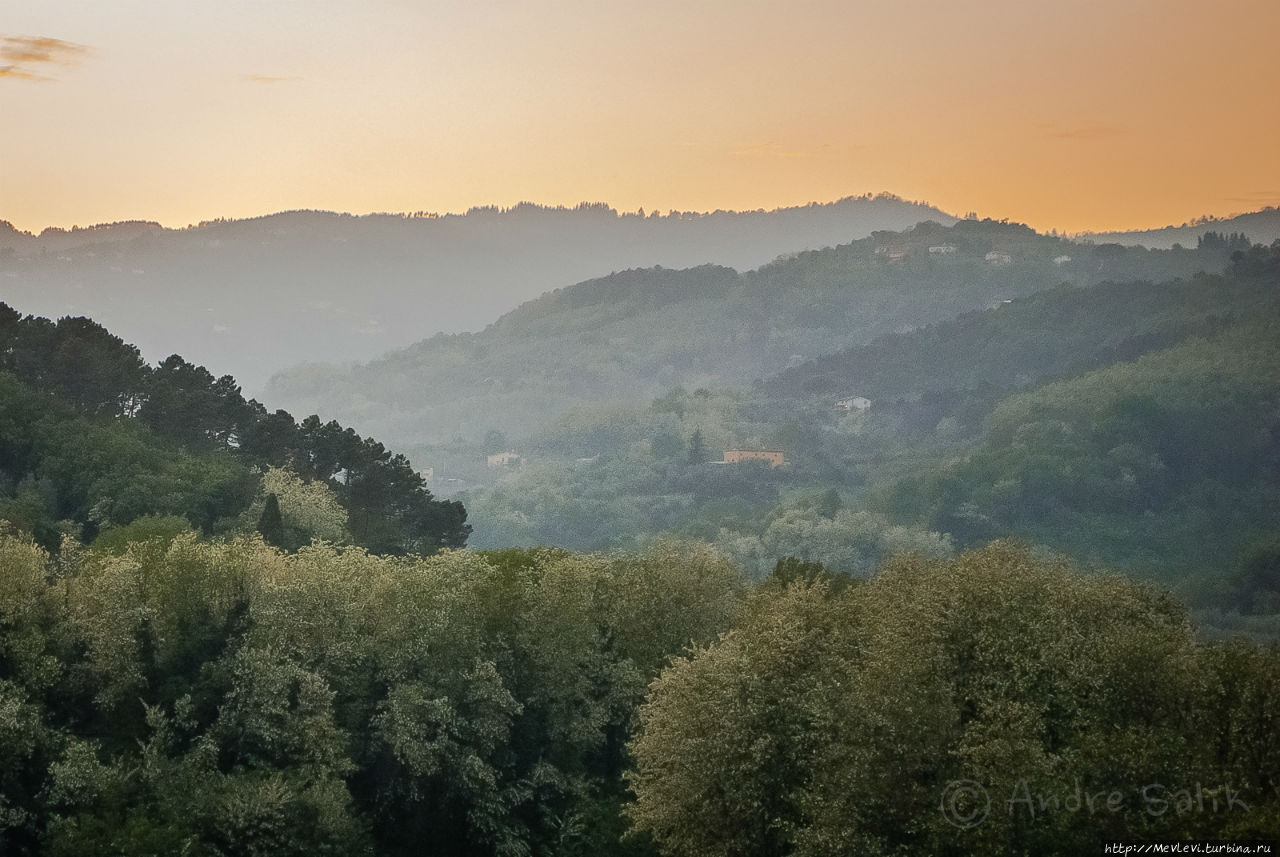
222,697
1134,425
92,440
1025,600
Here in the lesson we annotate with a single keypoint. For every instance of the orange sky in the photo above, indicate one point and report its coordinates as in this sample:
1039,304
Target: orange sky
1072,114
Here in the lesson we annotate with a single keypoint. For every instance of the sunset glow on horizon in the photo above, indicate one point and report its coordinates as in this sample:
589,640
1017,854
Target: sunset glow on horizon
1083,115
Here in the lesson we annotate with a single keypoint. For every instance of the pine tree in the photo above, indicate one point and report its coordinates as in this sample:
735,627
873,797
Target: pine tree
697,449
270,524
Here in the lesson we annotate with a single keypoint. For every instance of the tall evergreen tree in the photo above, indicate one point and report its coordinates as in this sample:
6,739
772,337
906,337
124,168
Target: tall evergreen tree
270,523
697,449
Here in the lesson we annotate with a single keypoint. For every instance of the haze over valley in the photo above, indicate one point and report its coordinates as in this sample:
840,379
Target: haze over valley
255,296
530,430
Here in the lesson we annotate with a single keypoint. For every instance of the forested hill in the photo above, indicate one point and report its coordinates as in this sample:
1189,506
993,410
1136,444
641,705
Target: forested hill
351,288
632,335
95,444
1167,464
1135,425
1056,333
1260,227
1132,424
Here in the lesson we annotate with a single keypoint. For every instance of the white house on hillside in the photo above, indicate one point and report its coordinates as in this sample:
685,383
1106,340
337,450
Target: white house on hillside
503,459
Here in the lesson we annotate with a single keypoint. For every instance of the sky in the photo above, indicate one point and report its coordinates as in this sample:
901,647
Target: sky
1073,114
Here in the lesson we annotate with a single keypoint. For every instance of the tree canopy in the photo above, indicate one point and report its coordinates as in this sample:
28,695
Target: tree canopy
92,438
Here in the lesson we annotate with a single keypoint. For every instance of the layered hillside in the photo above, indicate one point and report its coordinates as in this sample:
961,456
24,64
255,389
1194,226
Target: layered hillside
632,335
254,296
1131,424
1260,227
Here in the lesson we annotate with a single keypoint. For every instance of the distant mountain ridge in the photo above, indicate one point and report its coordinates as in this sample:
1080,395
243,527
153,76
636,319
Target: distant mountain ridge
633,334
1260,227
253,296
54,237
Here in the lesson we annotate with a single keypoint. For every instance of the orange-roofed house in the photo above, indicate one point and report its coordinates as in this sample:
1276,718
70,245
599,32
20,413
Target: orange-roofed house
737,456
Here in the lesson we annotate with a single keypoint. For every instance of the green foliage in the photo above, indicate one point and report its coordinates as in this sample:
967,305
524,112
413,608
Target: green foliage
494,441
1164,463
185,402
790,571
853,542
75,360
1150,476
270,522
303,511
163,528
1055,333
95,473
697,448
726,733
834,722
1256,588
343,682
229,698
1222,242
91,438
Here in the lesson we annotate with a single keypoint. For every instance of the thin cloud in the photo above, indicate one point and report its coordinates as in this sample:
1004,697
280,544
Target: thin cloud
19,74
23,54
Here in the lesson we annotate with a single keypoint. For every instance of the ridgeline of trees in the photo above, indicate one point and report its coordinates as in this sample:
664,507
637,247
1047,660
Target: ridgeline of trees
352,287
1172,460
91,439
634,334
1132,424
1167,462
1056,333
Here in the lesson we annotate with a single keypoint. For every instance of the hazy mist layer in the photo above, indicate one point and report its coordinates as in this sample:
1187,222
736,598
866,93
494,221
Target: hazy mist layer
251,297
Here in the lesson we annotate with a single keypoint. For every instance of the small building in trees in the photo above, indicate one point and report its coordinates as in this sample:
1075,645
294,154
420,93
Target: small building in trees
509,458
853,403
774,457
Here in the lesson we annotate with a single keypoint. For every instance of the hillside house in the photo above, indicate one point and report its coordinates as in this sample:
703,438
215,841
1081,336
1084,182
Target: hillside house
942,249
503,459
995,257
1061,260
853,403
775,457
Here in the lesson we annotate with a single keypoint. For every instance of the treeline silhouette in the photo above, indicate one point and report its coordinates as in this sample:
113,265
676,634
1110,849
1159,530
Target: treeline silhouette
94,438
